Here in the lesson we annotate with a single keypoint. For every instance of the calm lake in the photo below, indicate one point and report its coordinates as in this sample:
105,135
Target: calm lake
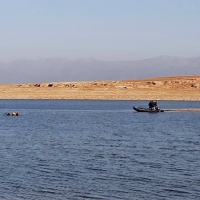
60,149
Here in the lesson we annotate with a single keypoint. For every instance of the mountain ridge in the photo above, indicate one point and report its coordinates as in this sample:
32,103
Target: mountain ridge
63,70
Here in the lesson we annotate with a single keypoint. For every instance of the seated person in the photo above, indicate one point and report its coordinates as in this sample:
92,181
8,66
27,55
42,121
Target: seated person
15,113
153,105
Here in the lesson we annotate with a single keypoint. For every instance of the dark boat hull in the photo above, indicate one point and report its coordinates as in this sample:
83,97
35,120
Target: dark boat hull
139,109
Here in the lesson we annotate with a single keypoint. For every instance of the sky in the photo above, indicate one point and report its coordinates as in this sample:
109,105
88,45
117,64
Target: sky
109,30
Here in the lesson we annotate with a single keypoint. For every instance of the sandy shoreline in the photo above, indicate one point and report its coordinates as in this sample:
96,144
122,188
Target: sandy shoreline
166,88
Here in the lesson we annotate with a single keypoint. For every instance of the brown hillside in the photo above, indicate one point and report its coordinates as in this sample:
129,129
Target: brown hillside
163,88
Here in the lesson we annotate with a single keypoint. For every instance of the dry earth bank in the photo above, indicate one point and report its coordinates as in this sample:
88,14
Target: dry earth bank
164,88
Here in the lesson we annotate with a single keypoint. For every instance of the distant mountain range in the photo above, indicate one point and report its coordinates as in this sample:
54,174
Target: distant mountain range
63,70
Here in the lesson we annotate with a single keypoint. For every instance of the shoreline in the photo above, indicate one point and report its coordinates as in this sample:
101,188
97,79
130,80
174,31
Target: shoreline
183,88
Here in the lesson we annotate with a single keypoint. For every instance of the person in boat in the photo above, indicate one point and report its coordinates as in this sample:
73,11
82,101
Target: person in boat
7,114
153,105
15,113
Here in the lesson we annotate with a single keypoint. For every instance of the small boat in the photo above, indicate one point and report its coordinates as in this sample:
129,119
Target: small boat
139,109
12,114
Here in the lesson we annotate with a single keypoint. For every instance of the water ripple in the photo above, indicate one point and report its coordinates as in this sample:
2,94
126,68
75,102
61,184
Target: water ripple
98,154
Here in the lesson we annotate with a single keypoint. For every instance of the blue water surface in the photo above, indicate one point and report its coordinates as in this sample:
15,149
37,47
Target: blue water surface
60,149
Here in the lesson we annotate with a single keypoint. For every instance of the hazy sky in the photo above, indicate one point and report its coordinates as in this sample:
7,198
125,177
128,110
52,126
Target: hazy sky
99,29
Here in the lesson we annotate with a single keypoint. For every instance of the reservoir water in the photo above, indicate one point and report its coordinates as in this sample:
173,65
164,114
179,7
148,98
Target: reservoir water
59,149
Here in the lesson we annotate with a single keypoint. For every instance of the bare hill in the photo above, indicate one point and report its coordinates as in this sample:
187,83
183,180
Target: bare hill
163,88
